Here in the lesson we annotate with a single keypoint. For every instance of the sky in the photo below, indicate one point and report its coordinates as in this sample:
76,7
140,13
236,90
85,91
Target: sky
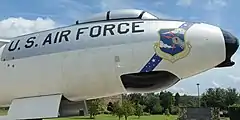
26,16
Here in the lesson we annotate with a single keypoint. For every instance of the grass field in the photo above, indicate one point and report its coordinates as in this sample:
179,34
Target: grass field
110,117
3,112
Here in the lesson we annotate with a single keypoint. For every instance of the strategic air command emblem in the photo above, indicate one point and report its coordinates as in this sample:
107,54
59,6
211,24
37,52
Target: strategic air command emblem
172,44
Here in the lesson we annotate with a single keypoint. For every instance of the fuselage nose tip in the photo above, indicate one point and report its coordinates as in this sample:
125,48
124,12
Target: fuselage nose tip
231,46
231,43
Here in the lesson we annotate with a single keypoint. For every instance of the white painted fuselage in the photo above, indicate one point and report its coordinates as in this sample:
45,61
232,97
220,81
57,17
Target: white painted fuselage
87,68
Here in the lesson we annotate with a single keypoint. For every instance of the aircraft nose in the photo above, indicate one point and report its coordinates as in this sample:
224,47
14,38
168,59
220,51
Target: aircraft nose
232,44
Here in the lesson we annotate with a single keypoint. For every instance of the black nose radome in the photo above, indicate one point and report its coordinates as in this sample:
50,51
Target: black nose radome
232,44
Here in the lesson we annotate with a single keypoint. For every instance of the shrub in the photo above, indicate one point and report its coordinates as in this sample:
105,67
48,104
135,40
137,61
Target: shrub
167,112
146,114
175,110
106,112
234,112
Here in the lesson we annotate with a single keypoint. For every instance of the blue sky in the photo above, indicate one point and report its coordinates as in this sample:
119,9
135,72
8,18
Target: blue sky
20,17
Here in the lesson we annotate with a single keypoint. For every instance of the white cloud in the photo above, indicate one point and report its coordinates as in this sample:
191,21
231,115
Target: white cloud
76,10
177,89
161,15
80,10
126,4
215,4
193,18
184,2
12,27
214,10
215,84
220,2
234,78
116,4
159,3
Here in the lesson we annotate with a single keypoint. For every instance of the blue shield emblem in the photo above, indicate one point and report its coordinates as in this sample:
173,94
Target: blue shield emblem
172,44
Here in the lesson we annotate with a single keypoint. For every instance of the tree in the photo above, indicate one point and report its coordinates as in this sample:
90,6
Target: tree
139,110
150,101
231,96
188,101
157,108
118,110
219,97
214,97
166,100
128,108
135,97
94,107
177,99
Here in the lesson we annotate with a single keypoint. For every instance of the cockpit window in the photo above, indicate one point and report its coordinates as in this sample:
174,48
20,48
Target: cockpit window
121,15
147,15
124,14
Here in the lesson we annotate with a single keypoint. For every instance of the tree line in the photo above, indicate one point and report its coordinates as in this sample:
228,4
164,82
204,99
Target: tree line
164,102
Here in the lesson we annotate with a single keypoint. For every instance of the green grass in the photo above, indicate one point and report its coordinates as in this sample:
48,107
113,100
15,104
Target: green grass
3,112
110,117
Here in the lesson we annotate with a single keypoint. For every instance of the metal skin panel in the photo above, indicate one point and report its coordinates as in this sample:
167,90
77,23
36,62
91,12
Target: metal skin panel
5,118
3,42
35,107
90,67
